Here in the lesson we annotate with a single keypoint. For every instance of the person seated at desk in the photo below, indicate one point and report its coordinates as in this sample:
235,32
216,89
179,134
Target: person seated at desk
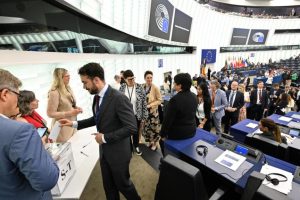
27,106
179,119
271,130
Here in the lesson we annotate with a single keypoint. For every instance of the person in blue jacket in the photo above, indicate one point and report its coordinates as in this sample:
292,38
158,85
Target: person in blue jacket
27,171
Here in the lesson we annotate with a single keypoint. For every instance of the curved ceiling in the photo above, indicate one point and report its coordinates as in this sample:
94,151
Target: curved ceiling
261,2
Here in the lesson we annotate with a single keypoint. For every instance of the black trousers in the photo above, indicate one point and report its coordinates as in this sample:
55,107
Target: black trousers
230,119
256,112
116,178
136,137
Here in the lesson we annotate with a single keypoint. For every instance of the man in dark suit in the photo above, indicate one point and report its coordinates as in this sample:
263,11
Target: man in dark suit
115,122
274,95
235,100
258,102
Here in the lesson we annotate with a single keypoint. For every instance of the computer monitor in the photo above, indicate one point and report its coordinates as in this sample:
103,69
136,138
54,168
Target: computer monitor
294,132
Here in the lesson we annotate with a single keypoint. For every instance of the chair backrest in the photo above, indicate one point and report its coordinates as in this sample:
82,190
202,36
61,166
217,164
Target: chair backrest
266,145
294,155
179,180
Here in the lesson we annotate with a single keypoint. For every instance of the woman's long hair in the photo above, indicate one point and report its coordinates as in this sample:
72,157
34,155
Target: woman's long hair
284,99
270,124
58,83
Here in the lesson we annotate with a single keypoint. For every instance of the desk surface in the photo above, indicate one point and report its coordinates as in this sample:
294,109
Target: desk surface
84,163
240,130
184,147
276,119
289,114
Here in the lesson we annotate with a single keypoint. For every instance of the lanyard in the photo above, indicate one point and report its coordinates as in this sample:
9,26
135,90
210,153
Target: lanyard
130,95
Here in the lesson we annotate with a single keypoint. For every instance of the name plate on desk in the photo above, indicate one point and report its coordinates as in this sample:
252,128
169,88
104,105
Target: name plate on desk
62,154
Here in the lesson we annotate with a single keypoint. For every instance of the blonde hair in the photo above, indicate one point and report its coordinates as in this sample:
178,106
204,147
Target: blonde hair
9,81
242,88
58,82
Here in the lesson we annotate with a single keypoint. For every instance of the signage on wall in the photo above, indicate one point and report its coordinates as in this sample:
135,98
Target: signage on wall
181,27
160,63
239,36
208,56
161,16
258,37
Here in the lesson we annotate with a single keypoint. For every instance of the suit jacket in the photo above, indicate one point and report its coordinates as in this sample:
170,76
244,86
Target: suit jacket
141,103
238,101
154,98
117,122
220,103
27,171
277,93
179,118
253,98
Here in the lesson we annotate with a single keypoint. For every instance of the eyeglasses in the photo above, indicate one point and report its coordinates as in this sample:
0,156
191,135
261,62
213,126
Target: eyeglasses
16,93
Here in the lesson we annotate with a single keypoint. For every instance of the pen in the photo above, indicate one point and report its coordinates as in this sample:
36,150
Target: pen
86,144
84,154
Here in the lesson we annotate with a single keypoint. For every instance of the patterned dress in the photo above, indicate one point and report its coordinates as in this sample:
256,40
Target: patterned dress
152,124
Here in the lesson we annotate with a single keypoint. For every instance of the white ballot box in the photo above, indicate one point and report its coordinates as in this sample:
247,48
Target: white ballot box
62,154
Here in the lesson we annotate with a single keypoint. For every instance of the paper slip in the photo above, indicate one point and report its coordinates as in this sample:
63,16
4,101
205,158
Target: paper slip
286,119
55,131
251,125
296,116
230,160
284,187
295,125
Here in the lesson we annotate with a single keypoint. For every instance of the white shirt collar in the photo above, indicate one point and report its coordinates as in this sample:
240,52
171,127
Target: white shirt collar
3,116
102,92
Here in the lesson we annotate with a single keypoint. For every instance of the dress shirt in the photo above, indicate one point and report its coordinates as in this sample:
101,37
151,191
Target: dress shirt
258,99
232,93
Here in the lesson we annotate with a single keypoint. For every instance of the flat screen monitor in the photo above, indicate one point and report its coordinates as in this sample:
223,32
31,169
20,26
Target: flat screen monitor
241,150
294,132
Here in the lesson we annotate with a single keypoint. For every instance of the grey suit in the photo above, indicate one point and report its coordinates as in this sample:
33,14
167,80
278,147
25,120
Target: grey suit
117,122
219,103
27,171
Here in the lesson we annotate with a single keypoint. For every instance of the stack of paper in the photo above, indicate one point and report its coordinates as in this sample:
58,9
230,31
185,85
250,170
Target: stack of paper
283,187
285,119
251,125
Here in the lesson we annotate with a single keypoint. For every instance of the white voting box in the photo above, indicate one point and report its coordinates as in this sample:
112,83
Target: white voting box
62,154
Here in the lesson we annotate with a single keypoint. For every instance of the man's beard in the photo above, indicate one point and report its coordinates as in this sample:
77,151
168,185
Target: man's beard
93,90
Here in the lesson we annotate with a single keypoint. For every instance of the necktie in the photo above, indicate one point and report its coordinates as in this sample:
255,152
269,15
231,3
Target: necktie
260,96
97,100
231,99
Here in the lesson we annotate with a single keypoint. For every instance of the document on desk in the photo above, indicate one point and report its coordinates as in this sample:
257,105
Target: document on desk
251,125
296,116
55,131
230,160
295,125
285,186
285,119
